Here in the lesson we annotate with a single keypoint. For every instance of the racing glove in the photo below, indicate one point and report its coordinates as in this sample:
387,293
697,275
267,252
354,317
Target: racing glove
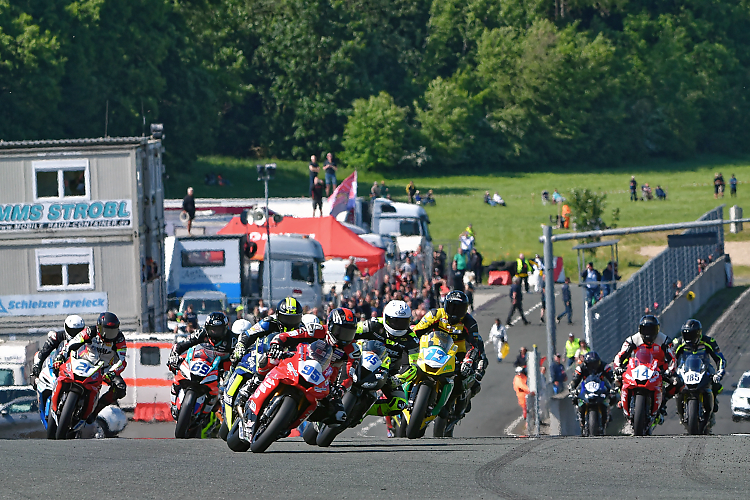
59,360
174,362
36,369
336,392
238,354
619,370
467,367
717,378
274,351
571,388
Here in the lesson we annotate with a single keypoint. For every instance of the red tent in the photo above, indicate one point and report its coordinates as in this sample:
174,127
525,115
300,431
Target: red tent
337,241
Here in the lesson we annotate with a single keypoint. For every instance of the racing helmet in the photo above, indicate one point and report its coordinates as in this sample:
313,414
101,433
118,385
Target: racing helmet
289,313
310,321
240,326
216,326
74,325
396,317
107,326
648,328
592,361
692,331
456,306
342,326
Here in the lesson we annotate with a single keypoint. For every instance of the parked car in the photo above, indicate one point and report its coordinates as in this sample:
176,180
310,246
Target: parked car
741,398
19,415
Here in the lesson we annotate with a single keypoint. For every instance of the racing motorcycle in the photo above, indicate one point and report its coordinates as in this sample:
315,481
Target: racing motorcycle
197,381
75,393
430,384
695,401
288,395
642,391
370,376
593,398
45,386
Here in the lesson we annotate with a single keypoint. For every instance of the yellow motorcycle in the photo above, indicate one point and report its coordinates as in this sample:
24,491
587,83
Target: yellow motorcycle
429,383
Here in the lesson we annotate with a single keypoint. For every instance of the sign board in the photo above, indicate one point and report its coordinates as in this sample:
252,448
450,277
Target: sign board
66,215
50,304
692,240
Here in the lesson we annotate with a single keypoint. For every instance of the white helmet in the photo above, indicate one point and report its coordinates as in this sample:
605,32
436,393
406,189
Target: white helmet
309,320
74,325
396,317
241,326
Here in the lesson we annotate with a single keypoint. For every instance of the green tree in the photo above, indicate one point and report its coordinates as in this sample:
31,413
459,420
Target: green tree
374,133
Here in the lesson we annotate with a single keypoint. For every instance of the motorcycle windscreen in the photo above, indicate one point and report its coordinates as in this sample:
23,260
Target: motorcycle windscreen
693,363
643,357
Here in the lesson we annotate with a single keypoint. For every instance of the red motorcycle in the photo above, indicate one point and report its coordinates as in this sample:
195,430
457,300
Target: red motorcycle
642,391
76,392
288,395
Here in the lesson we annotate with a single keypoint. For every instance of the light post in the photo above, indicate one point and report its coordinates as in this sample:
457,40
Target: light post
266,173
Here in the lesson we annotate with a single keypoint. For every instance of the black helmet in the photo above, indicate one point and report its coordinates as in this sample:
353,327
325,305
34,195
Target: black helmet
342,326
289,313
216,326
649,328
592,361
456,306
692,331
108,326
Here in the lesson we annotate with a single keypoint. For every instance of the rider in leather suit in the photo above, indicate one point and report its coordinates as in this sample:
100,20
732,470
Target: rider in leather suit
592,365
73,326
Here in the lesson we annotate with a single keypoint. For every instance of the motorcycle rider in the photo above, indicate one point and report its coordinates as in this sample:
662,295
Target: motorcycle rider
73,326
693,341
109,342
661,348
592,365
215,333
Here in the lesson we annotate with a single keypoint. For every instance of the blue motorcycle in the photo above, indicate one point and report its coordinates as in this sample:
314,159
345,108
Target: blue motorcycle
593,404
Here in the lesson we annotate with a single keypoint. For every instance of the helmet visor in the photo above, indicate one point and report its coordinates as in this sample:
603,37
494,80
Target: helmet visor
456,310
216,332
343,333
397,324
109,333
691,336
649,332
290,321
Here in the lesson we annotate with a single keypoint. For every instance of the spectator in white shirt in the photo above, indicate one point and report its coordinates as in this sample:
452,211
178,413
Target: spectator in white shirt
498,336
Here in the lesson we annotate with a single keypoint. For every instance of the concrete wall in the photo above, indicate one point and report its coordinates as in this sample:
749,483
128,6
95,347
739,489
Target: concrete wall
712,280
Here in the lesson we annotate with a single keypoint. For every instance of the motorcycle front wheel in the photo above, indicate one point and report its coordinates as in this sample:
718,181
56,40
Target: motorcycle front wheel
641,413
233,439
223,430
66,416
310,434
186,414
418,412
594,423
262,438
51,425
692,415
438,427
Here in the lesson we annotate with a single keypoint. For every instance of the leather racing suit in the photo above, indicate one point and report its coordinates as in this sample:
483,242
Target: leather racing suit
706,345
582,373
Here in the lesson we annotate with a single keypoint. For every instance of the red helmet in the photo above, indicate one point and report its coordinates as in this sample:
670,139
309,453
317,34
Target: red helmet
342,326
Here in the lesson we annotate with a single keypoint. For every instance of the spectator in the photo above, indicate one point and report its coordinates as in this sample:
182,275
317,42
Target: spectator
545,197
467,242
582,349
457,277
411,190
571,345
418,198
565,214
375,190
633,188
516,301
522,358
330,168
568,303
497,200
351,270
429,199
442,258
460,260
660,194
677,288
647,195
557,197
406,267
488,199
469,289
317,195
384,190
718,185
592,278
188,206
733,186
608,274
521,388
190,318
475,263
498,336
314,169
262,309
522,270
470,231
558,374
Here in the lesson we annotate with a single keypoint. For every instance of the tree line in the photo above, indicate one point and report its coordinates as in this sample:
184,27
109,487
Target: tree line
385,84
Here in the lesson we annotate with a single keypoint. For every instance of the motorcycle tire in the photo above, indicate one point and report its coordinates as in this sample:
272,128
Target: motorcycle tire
233,439
51,425
186,415
594,421
692,415
418,412
281,421
223,430
66,416
640,414
401,428
438,427
327,434
310,434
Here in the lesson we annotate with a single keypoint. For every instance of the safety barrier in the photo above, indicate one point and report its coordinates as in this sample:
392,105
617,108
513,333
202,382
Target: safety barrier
615,317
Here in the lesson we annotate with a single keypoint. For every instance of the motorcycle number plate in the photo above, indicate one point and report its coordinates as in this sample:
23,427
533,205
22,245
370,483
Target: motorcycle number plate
693,378
82,368
371,362
200,367
312,372
592,386
435,357
641,373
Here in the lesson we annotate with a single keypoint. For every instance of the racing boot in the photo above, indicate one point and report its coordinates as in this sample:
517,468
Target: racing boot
716,404
245,391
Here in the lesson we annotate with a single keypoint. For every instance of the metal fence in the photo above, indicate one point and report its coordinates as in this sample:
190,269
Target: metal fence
611,320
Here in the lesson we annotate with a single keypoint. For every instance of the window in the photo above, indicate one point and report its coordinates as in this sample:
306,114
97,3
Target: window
409,228
56,179
744,382
65,269
6,377
203,258
303,271
150,356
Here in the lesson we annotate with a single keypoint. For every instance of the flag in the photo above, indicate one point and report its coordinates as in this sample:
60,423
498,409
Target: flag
344,196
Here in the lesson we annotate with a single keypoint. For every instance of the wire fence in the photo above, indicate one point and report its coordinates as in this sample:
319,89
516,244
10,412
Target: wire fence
611,320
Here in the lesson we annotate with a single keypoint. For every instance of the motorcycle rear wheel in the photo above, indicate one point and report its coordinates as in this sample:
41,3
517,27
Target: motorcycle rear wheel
51,425
418,412
66,416
401,428
233,439
640,414
186,414
594,423
438,427
692,415
280,422
310,434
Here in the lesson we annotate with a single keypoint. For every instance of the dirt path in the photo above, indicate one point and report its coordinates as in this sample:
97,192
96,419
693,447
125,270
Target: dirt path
739,251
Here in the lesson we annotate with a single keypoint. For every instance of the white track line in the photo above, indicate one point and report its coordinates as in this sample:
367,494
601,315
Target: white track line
509,429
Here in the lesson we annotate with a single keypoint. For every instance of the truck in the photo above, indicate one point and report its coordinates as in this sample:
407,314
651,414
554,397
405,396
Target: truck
16,360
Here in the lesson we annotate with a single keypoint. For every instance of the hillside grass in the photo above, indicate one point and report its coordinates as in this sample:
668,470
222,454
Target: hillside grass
503,232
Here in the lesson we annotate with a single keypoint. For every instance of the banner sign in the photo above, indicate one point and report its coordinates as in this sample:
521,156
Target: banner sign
49,304
66,215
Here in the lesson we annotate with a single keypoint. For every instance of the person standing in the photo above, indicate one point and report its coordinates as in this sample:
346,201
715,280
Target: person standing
516,301
384,190
733,186
583,348
571,345
375,190
441,258
558,374
461,261
314,170
592,278
411,190
521,387
608,275
330,168
457,277
188,206
568,303
522,270
498,336
317,195
477,267
633,189
467,243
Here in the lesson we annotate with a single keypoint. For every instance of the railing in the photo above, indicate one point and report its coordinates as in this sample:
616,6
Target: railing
611,320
